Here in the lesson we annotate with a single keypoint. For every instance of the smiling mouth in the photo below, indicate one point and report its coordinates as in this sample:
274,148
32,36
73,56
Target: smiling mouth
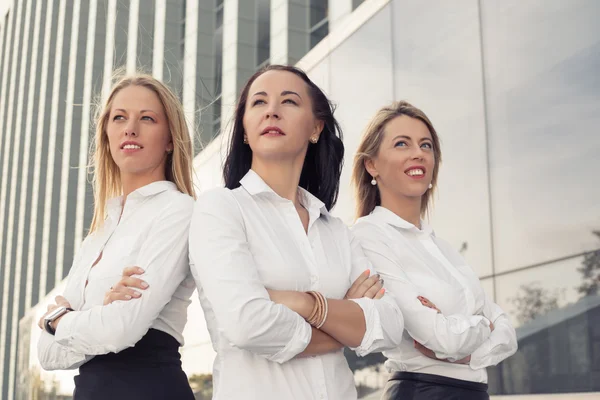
415,172
131,147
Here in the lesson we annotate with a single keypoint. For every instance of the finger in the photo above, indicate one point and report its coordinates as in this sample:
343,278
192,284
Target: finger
129,271
124,290
115,296
379,294
426,302
367,284
60,300
373,290
133,282
359,281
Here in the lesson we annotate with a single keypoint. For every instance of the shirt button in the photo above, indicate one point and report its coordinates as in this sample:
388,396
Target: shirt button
314,279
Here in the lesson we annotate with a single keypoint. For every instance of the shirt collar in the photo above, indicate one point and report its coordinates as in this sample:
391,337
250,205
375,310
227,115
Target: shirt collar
384,215
255,185
148,190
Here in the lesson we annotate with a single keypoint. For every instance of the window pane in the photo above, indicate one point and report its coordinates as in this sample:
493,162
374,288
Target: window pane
558,328
543,96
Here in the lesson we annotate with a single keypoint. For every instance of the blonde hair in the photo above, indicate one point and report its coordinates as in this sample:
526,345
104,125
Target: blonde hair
367,195
178,168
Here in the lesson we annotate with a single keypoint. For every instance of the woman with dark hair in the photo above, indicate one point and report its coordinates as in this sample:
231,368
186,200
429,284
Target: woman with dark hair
283,284
453,329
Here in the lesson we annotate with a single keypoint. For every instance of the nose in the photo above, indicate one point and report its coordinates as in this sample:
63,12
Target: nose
272,111
131,129
418,154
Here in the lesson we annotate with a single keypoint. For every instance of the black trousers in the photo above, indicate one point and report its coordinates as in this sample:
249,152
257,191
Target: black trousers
415,386
151,370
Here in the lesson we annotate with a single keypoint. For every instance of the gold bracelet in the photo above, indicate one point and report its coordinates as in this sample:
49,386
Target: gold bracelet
324,313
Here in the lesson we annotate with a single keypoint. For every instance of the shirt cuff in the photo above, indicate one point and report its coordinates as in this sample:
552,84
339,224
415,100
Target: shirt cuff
53,356
373,332
497,348
296,345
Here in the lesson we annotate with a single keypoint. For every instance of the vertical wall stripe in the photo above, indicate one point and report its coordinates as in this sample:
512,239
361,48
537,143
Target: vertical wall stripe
64,186
159,38
109,48
189,65
51,148
35,197
132,35
28,134
17,169
85,124
16,19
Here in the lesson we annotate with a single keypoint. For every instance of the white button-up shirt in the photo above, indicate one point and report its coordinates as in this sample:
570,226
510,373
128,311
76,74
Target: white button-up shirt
248,239
414,263
152,233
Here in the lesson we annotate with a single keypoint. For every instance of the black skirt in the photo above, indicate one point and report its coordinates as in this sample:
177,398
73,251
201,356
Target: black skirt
415,386
151,370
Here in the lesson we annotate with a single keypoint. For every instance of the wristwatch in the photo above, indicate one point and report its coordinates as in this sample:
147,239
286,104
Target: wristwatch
53,316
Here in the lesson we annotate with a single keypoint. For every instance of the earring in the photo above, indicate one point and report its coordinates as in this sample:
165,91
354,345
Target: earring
373,181
314,139
246,139
430,186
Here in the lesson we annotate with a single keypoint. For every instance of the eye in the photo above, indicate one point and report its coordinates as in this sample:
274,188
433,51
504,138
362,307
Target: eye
257,102
400,143
118,117
148,118
427,145
290,101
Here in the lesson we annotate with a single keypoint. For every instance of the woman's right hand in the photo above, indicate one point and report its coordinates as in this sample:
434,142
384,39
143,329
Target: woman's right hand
122,289
366,286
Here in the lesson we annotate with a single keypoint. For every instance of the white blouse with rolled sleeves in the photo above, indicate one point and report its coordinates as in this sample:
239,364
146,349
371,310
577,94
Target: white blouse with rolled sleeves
245,240
414,262
152,233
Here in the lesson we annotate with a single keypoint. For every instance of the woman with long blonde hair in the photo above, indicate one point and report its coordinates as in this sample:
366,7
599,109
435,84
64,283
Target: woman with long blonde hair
453,330
143,202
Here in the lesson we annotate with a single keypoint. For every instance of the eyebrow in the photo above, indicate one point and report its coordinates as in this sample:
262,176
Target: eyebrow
284,93
141,111
409,138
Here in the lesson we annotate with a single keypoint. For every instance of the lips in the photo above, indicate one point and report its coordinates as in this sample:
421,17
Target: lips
272,131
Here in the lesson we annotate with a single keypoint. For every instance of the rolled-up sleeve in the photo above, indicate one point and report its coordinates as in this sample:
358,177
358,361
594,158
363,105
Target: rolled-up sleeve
121,324
383,319
225,272
451,337
502,342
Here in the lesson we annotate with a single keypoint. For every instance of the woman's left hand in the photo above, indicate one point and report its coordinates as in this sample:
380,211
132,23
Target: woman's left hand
122,290
60,302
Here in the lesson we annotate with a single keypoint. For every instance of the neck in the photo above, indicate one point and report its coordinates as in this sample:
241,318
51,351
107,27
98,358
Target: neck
407,208
282,176
132,182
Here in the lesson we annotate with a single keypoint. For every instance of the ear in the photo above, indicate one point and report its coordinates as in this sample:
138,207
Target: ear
170,147
319,124
370,167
